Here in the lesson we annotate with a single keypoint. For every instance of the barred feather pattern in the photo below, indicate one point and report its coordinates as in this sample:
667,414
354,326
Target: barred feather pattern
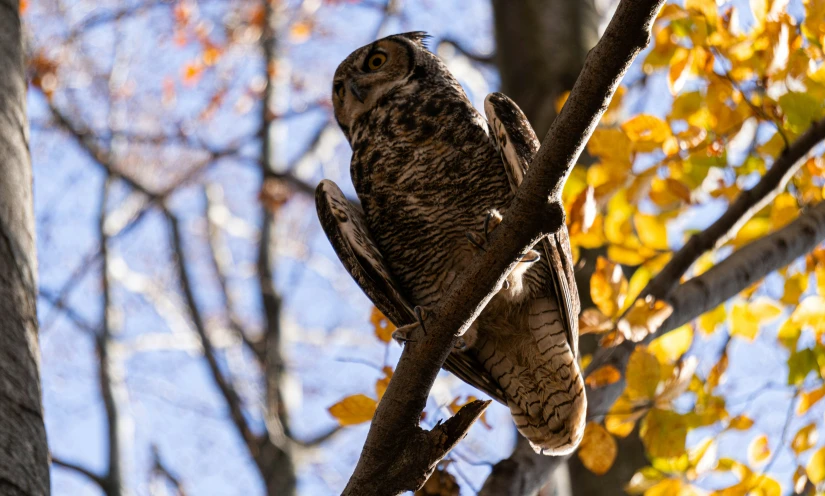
427,173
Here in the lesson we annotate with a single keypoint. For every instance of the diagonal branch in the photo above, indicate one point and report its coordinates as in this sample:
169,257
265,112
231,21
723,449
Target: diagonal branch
398,455
746,205
85,472
230,395
689,300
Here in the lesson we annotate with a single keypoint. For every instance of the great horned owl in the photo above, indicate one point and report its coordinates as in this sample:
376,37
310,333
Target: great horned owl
432,177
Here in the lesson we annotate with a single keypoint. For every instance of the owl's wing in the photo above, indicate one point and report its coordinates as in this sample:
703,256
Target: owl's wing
517,143
346,229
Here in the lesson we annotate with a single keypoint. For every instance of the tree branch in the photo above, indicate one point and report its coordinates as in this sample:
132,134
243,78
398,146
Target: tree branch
746,205
85,472
398,455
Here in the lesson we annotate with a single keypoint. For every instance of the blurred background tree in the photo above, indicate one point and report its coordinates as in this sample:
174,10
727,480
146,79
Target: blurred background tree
200,337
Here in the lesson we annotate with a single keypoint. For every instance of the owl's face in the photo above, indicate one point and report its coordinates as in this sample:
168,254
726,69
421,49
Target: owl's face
371,72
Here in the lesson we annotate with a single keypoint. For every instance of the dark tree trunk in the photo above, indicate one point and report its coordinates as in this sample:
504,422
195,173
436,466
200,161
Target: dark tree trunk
24,465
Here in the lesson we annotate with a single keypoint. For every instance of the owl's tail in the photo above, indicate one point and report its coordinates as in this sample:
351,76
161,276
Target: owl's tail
546,394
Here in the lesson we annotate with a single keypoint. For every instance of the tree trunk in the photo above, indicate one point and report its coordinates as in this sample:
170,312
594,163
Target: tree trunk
24,466
541,47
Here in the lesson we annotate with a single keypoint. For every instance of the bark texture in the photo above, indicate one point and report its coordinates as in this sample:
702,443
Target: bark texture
24,467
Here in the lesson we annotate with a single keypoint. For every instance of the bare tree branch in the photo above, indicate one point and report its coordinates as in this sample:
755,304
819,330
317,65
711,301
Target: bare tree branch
159,468
74,467
398,455
111,385
746,205
233,401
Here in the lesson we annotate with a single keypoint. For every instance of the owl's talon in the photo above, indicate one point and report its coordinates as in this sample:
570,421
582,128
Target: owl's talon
491,222
460,344
403,333
475,240
534,257
506,285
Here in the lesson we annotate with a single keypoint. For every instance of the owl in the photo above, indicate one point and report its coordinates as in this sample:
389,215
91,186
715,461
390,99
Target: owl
434,178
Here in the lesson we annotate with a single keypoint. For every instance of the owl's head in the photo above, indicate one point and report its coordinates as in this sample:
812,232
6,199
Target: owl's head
374,71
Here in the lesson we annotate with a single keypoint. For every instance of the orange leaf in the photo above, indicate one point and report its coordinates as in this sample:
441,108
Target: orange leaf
597,450
382,383
354,409
604,376
608,287
383,327
643,318
808,399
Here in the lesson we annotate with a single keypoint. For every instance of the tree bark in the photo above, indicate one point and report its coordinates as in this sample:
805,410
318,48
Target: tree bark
24,465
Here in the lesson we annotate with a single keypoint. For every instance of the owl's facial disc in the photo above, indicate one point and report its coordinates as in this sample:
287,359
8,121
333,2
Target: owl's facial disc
368,74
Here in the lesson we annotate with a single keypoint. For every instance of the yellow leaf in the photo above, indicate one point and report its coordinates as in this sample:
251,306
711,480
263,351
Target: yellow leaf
673,345
773,147
382,325
646,131
805,438
784,209
679,69
808,399
382,383
800,109
604,376
811,313
592,320
685,105
644,318
651,231
642,375
795,285
622,417
666,487
709,321
746,318
741,423
758,450
813,26
610,143
816,466
717,373
800,480
627,255
644,479
608,287
597,450
663,433
354,409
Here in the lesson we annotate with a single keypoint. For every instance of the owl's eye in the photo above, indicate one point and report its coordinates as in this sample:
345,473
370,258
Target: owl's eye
375,61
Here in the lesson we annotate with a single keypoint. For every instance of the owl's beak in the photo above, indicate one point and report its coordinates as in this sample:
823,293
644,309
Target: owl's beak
356,91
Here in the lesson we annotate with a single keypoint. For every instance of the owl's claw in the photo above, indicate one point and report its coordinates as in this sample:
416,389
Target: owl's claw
403,333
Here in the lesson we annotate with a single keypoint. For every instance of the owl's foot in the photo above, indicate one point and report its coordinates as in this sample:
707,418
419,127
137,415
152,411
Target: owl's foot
491,222
404,334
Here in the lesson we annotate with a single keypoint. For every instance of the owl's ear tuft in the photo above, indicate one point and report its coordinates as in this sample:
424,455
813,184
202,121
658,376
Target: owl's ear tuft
420,37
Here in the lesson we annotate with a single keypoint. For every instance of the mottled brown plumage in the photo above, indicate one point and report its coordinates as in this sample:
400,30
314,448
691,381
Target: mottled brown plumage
427,174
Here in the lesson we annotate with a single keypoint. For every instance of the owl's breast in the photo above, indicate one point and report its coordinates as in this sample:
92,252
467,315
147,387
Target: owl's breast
424,180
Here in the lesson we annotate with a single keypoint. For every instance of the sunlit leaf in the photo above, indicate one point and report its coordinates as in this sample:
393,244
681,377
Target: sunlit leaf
758,450
808,399
603,376
663,433
597,450
816,466
651,231
671,346
646,131
592,320
382,325
709,321
643,318
642,375
805,438
741,423
608,287
354,409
